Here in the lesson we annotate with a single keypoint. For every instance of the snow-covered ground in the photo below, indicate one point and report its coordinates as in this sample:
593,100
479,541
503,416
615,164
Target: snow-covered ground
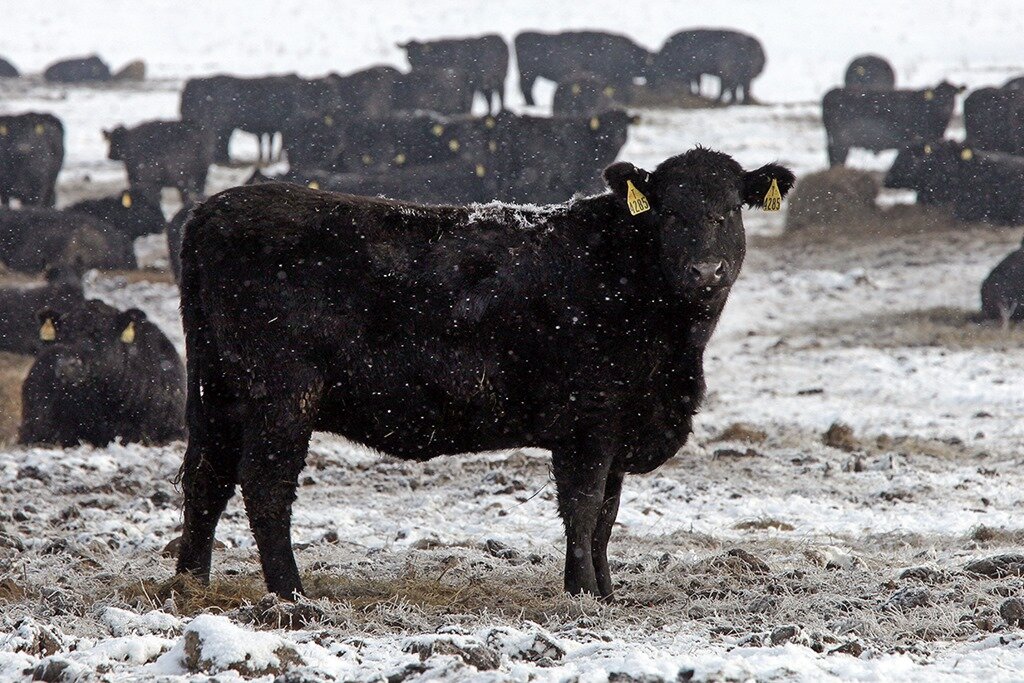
763,551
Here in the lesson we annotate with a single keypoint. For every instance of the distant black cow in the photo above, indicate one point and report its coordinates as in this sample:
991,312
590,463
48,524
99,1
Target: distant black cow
994,120
445,91
1015,83
879,120
7,70
78,70
19,329
614,58
978,186
407,140
135,215
583,94
484,61
870,72
735,58
1002,292
102,375
33,238
368,93
31,154
160,154
423,331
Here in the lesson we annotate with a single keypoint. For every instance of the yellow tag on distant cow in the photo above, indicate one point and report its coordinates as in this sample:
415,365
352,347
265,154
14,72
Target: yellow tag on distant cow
437,130
313,185
126,200
929,95
490,122
128,335
480,171
399,158
576,89
329,120
48,332
773,200
492,146
367,159
595,123
609,91
635,199
453,145
967,154
40,129
3,130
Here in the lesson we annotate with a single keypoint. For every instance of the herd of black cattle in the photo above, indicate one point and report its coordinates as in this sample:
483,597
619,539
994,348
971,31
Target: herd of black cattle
436,322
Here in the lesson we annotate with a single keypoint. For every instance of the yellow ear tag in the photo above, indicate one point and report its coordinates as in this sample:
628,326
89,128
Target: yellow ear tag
453,145
609,91
40,129
929,95
399,158
126,200
492,146
367,159
927,149
967,154
635,199
595,123
329,120
313,185
437,130
489,122
773,199
480,171
576,89
128,335
48,332
859,70
3,130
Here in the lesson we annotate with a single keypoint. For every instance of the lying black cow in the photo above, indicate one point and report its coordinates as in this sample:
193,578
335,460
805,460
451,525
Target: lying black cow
19,329
734,58
613,58
484,60
583,94
870,72
1002,292
31,155
878,120
977,185
7,70
33,238
994,120
102,375
423,331
134,215
160,154
78,70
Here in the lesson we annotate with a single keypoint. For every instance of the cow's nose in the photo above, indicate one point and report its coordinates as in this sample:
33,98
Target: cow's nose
707,273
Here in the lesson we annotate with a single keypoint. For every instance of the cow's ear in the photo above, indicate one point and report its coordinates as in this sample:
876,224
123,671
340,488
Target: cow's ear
107,134
760,185
631,185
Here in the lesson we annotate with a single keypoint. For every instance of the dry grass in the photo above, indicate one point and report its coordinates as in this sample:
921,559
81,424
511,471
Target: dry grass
13,370
148,275
869,226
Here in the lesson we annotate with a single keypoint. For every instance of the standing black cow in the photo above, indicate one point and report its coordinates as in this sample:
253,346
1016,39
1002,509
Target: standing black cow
134,215
735,58
879,120
445,91
31,154
78,70
160,154
484,61
102,374
870,72
994,119
1002,292
19,329
613,58
7,70
423,331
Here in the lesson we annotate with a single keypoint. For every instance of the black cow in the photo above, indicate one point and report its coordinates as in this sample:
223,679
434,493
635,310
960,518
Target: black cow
423,331
135,215
484,61
78,70
102,374
32,239
979,186
160,154
870,72
19,329
735,58
7,70
1002,292
368,93
583,94
445,91
613,58
407,140
879,120
31,154
994,120
1015,83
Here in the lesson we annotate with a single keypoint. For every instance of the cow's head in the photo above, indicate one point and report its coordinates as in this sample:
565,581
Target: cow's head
116,139
691,204
930,168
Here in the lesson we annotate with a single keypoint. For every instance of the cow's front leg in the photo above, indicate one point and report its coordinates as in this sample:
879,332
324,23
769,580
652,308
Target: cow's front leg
603,532
581,475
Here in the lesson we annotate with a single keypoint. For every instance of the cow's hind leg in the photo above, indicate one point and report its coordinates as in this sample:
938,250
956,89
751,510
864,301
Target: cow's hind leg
603,533
581,478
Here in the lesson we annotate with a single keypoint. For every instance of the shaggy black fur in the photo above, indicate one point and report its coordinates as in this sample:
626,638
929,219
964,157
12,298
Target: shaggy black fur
107,374
424,331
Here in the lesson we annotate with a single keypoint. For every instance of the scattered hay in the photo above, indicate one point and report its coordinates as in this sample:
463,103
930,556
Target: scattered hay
741,431
13,370
148,275
841,436
838,196
763,524
191,597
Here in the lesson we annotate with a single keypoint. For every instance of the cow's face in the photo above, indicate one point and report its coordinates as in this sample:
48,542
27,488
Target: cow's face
691,204
115,138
